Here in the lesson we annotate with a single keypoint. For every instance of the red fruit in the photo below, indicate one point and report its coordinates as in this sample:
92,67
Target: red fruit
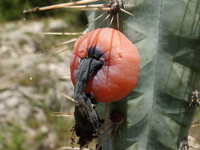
120,73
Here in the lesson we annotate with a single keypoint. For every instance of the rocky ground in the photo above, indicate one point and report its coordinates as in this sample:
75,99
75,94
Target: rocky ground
27,80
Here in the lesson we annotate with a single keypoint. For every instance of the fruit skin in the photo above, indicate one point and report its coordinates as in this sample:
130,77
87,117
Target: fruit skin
120,73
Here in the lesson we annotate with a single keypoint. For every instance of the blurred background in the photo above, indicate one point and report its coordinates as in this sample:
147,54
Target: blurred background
29,76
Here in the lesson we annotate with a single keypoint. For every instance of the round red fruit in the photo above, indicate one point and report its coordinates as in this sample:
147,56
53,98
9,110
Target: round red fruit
120,73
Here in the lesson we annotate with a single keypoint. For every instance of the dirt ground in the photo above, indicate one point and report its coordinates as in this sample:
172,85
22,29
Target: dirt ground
27,82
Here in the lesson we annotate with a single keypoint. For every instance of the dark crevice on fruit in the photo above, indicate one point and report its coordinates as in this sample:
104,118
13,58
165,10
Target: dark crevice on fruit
87,123
94,52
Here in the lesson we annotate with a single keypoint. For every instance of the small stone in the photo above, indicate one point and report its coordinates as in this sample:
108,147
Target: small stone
57,24
12,102
40,115
43,129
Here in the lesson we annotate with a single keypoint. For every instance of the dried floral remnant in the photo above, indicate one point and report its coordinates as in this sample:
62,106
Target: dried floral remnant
87,121
72,137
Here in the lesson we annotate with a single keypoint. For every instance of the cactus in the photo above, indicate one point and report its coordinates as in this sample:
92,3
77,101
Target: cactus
156,113
159,112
